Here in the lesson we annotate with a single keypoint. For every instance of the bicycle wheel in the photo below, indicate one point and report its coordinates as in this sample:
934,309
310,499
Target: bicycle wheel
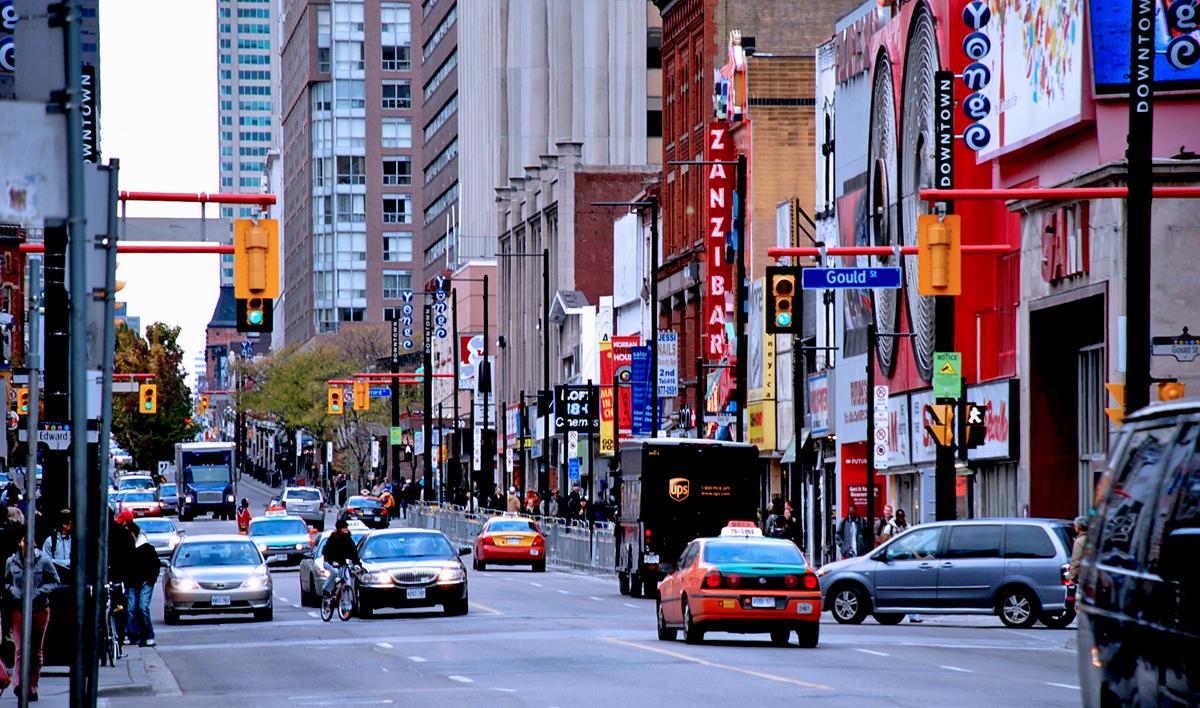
345,602
327,602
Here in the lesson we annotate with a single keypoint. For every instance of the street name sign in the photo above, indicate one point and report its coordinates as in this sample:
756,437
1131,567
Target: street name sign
840,278
1184,347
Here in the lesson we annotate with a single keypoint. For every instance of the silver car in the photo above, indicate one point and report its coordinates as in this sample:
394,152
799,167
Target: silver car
306,502
162,534
1014,568
217,574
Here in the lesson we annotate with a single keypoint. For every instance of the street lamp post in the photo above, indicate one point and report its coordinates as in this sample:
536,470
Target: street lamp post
544,400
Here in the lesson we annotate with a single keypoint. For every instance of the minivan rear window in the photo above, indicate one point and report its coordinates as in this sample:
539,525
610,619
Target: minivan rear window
1027,541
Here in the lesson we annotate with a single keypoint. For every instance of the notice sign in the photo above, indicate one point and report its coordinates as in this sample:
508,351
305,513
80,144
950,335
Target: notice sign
947,374
881,438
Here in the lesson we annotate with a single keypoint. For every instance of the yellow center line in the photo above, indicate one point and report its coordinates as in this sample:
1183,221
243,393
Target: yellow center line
715,665
485,608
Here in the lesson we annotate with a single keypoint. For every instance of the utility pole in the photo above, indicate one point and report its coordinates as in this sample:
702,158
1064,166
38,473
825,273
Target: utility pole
872,342
394,385
1141,183
456,347
654,256
742,307
487,456
33,357
545,399
427,390
701,396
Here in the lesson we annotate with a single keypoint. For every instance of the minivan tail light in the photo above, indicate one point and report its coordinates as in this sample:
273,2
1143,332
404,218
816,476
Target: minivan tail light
1065,572
713,579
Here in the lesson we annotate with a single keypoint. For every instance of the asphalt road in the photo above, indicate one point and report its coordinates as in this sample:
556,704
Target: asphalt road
568,639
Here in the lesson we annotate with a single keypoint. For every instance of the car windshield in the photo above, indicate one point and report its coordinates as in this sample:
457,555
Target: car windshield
364,502
156,526
217,553
302,495
278,527
209,474
167,490
138,497
757,552
405,546
511,525
135,483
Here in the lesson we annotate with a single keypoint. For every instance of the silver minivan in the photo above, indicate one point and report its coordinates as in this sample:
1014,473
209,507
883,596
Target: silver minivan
1014,568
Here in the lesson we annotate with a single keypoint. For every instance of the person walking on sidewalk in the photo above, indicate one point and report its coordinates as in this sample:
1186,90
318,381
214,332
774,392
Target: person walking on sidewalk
143,574
45,580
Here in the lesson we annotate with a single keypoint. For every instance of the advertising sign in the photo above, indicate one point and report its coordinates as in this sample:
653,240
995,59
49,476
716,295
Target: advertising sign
575,410
1111,21
718,276
818,405
854,481
640,392
608,444
668,364
470,352
852,398
924,449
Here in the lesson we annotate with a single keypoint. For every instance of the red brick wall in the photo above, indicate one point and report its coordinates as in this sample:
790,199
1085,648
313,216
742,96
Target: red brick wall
594,227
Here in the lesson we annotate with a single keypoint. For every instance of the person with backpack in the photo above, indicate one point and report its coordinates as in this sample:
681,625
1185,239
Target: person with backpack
57,545
776,524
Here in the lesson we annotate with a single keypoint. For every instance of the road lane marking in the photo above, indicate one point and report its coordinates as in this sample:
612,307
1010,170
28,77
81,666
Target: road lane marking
536,585
295,606
1062,685
630,604
872,652
593,597
383,645
314,615
417,659
485,608
505,690
460,679
564,592
958,669
716,665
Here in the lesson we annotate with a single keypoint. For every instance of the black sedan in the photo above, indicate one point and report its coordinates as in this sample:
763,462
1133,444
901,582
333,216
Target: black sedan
368,510
169,498
410,568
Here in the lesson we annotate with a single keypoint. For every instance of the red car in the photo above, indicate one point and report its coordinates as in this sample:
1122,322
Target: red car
510,540
744,583
140,504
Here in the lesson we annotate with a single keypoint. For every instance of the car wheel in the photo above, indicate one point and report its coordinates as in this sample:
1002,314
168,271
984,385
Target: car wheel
623,583
665,633
849,604
264,615
1057,620
170,617
635,585
692,634
1017,608
889,617
539,567
780,637
457,608
365,611
809,633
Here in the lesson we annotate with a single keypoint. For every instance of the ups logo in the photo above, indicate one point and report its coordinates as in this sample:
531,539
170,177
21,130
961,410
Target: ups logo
678,488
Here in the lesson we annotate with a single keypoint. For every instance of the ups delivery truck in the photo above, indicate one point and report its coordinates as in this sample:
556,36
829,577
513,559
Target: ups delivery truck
672,490
205,479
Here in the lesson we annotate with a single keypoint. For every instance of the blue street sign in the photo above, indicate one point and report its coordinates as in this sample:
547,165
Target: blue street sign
407,331
406,296
573,469
823,278
408,344
407,310
380,392
406,320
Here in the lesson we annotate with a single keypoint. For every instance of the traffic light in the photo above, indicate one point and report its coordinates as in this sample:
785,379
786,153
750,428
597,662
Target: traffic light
1117,391
939,423
148,399
335,401
362,395
256,259
23,400
782,317
939,254
204,404
256,314
1171,390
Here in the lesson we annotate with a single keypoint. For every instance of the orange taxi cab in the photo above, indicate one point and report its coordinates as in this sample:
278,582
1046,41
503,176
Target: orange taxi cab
510,540
740,582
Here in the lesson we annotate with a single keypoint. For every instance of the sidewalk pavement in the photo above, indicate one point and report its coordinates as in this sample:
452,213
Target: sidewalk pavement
140,672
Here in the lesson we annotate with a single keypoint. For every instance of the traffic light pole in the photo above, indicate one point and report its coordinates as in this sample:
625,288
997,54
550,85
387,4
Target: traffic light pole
1140,182
427,390
742,312
487,457
394,385
458,446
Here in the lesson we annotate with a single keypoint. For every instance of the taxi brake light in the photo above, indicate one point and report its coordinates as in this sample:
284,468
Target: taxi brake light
733,581
810,581
539,541
713,579
791,581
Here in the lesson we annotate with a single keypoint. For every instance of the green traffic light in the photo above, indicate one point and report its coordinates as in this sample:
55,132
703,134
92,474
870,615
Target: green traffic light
783,319
255,317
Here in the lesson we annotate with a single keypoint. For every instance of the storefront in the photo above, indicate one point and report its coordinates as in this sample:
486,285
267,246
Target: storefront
992,482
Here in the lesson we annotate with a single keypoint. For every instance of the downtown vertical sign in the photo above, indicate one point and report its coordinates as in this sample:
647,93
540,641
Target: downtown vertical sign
718,201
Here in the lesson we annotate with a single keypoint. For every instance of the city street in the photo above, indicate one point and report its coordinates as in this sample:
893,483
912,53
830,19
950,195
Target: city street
559,639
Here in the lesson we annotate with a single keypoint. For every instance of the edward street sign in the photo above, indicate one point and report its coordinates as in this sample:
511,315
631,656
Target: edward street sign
832,278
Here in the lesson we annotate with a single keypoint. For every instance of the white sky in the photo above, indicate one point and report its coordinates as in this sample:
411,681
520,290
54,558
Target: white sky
158,115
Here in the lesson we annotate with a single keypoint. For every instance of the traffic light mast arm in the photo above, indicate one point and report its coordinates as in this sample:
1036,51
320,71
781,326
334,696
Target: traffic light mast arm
968,249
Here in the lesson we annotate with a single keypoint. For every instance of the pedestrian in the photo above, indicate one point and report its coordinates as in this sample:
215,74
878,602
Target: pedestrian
573,501
45,580
143,574
898,524
514,502
244,516
582,514
795,531
1081,525
776,526
554,505
883,525
58,544
851,541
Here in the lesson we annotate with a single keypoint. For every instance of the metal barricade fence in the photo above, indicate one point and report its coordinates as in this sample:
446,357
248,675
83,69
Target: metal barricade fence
569,544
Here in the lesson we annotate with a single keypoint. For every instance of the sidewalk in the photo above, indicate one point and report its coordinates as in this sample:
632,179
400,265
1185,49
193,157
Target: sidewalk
140,672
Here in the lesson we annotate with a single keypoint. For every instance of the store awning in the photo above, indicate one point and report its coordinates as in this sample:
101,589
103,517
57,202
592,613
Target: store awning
789,454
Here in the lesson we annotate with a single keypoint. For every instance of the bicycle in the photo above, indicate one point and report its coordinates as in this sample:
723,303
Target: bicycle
110,638
341,597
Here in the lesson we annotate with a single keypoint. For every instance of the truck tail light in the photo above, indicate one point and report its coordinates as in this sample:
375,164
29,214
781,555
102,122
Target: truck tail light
713,579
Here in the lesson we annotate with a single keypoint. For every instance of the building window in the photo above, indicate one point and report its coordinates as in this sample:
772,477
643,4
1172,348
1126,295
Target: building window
254,135
255,121
323,210
251,105
227,167
395,27
254,75
391,313
397,171
439,205
397,209
351,314
352,208
227,182
253,151
654,124
253,43
396,59
441,74
654,48
254,90
320,96
447,110
351,134
226,151
323,38
397,247
395,282
397,94
226,90
225,74
443,158
225,43
251,166
351,170
321,172
226,105
439,34
396,132
225,59
349,17
253,28
250,181
349,56
260,59
226,121
351,95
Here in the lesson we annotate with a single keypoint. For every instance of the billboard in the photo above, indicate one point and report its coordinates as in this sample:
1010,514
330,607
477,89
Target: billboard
1111,21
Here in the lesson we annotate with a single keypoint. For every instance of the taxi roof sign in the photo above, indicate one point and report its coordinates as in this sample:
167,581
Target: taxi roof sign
741,528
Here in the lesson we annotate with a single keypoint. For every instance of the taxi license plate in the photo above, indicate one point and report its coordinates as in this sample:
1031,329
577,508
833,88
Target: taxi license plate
220,601
763,602
513,540
277,558
804,608
415,593
533,551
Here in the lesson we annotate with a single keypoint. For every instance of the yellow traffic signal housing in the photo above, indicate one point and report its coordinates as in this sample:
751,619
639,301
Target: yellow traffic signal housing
782,317
939,255
939,422
362,395
335,401
1117,414
23,400
148,399
203,404
1171,390
256,259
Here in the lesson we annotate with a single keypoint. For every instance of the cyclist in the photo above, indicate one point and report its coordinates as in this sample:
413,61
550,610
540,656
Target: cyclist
340,552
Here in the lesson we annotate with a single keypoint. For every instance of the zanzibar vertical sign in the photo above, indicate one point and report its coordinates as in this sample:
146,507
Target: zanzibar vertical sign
718,190
943,129
90,107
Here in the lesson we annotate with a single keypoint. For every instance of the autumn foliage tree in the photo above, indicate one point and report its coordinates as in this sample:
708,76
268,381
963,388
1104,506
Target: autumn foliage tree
152,438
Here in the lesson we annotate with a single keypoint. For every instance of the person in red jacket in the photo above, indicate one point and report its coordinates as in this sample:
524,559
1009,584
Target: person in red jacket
243,517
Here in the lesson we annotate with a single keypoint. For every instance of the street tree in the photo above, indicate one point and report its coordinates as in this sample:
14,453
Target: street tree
151,438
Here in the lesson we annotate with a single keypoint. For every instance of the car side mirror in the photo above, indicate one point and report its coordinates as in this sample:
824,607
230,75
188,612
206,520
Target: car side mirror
1178,556
464,550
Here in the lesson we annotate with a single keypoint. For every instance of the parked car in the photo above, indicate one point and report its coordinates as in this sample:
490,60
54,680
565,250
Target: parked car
1139,582
1014,568
306,502
410,568
216,574
169,497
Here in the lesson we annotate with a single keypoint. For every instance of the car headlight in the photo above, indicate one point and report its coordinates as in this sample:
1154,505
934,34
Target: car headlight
299,546
182,582
379,578
188,499
257,581
450,575
229,498
822,572
262,548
